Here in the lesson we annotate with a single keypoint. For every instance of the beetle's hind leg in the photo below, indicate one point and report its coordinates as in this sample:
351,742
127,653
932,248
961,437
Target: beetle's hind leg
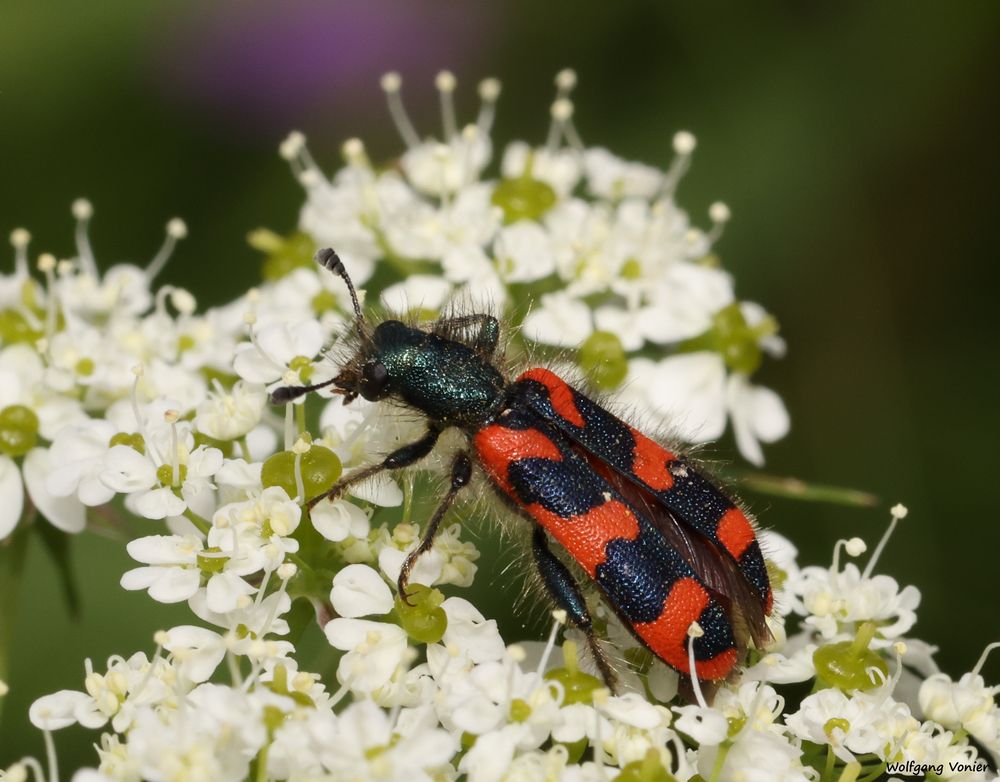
565,591
461,474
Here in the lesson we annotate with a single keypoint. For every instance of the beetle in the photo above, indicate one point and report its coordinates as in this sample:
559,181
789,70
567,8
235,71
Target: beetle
663,543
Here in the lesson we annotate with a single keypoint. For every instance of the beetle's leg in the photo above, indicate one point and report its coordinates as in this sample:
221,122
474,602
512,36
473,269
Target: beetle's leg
564,589
487,337
461,473
401,457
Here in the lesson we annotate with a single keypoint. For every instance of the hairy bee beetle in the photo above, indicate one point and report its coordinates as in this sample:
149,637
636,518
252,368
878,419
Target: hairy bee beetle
665,546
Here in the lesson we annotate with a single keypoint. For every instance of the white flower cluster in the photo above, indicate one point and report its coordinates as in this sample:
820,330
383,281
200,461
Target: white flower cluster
595,246
433,692
117,393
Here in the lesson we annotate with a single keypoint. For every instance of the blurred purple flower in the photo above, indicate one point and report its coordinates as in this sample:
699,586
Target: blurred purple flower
269,66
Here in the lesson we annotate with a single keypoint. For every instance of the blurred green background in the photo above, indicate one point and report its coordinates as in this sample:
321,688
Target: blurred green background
855,143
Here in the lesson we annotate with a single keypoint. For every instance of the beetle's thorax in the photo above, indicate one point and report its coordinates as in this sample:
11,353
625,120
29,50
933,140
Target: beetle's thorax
445,379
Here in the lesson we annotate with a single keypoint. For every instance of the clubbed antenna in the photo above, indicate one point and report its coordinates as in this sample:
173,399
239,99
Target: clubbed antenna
329,259
285,394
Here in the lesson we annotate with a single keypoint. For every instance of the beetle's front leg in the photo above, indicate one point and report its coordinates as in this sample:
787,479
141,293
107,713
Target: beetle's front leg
401,457
461,474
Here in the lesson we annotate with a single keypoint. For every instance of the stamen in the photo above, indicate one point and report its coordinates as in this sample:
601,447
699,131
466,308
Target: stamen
176,229
47,265
445,83
684,146
392,84
301,447
183,301
353,151
289,427
50,756
561,111
854,547
405,661
469,135
489,91
441,154
138,371
565,82
560,619
20,238
160,638
982,658
898,512
695,631
83,211
719,214
296,152
171,417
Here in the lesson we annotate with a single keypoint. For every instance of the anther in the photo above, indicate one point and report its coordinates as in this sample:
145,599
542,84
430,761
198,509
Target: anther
82,209
19,238
293,144
353,151
565,81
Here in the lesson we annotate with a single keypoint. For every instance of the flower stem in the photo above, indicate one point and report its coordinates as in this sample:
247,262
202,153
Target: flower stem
203,525
796,489
12,555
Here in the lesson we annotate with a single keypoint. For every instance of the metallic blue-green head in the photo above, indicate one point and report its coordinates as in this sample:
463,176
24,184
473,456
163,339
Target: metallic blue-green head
446,379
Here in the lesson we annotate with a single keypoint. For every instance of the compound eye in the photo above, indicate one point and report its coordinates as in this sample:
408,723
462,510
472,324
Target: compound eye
374,377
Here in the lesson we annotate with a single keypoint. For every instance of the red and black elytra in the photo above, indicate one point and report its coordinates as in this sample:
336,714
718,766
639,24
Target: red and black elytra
664,545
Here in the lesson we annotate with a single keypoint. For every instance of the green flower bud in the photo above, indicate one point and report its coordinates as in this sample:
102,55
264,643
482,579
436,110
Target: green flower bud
303,365
165,474
18,430
423,619
649,769
845,665
14,328
283,255
602,357
133,441
520,711
579,686
734,339
523,198
210,564
320,470
323,302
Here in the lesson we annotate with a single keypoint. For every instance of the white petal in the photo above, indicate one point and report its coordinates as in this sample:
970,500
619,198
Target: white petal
250,365
417,292
175,585
158,503
524,252
345,634
11,496
358,590
126,470
224,591
691,389
337,520
426,570
65,513
561,320
55,711
379,490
